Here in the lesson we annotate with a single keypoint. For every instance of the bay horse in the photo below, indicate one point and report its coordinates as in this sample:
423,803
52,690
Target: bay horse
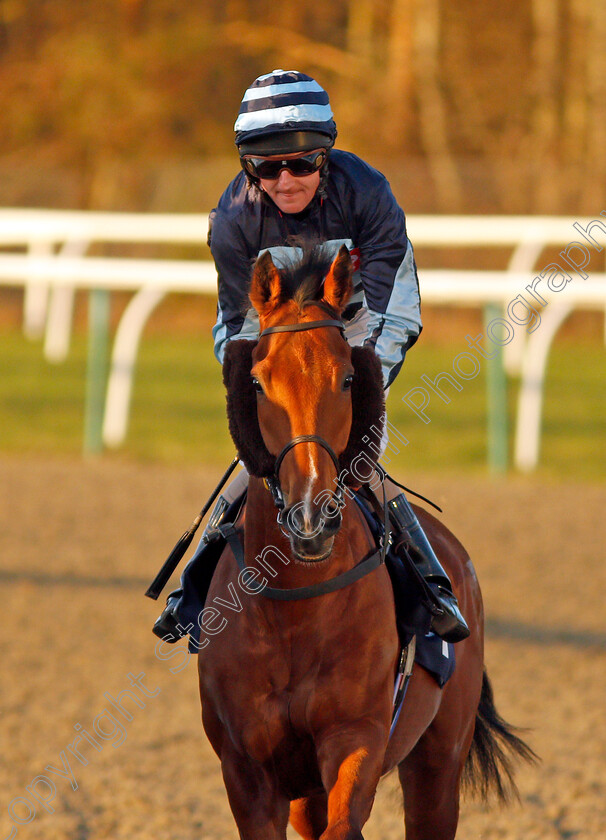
297,694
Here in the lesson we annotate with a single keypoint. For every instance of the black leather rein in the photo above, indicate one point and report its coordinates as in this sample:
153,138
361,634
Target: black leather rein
301,593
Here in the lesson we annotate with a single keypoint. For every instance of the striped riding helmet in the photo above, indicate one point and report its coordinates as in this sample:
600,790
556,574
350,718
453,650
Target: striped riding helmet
283,112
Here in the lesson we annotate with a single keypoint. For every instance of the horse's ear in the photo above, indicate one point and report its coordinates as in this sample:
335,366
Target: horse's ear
265,285
338,285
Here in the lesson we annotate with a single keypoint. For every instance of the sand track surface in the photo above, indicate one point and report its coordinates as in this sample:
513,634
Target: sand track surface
79,543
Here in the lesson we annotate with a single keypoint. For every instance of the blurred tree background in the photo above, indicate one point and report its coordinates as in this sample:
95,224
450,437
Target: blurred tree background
467,106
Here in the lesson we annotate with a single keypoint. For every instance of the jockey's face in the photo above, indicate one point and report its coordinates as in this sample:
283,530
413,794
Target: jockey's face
291,193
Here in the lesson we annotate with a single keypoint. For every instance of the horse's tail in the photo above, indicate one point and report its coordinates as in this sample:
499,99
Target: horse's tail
490,763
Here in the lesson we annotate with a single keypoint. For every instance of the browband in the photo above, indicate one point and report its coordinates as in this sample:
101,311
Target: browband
305,325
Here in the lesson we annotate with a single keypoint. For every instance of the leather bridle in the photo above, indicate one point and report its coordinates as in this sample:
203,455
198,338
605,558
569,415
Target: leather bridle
273,481
366,565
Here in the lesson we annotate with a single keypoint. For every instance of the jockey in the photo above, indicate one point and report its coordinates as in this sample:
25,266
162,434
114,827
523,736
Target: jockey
293,185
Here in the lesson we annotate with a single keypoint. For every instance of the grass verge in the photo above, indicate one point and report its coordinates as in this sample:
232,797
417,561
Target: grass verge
178,407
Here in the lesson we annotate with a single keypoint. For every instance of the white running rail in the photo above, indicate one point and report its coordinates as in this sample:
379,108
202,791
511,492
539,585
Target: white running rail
45,252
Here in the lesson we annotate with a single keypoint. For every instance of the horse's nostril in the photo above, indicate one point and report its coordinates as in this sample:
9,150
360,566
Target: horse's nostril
332,520
307,524
296,522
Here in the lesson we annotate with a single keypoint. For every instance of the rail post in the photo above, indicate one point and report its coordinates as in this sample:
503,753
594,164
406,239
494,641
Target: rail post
96,372
496,399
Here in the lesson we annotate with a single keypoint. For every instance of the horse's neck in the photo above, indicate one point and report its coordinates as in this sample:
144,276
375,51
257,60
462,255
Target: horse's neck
266,547
263,536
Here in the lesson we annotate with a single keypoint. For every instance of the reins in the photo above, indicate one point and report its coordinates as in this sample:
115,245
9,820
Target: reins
360,570
363,568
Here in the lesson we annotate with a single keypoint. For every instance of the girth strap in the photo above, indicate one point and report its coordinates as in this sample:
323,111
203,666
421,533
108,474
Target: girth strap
364,567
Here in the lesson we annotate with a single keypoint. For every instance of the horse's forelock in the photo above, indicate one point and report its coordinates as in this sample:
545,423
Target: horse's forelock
303,281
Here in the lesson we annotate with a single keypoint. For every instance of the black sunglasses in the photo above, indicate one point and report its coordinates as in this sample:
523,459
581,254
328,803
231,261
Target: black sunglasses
270,170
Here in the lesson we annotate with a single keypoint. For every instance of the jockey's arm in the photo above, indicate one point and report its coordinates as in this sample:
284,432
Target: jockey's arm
233,263
389,279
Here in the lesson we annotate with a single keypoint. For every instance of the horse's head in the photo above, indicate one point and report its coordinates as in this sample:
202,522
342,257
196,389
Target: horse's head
309,392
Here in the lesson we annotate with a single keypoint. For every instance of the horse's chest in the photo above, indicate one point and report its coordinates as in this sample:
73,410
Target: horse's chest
265,728
263,707
268,738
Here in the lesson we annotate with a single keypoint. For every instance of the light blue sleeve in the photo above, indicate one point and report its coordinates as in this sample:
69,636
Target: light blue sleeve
394,331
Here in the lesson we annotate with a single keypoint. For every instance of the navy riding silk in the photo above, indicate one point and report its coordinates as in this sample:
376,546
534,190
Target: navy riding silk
356,208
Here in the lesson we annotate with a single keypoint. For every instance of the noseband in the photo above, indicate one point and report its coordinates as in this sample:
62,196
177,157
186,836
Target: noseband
273,481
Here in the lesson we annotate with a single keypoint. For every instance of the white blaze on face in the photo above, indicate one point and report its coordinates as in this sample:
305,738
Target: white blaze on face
308,497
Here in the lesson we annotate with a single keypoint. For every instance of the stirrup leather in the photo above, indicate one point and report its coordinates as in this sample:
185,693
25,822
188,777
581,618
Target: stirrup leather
167,626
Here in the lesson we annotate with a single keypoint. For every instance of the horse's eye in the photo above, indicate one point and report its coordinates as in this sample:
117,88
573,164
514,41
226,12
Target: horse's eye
347,382
257,385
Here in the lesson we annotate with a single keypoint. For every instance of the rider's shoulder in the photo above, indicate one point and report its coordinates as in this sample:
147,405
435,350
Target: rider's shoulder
355,179
349,167
236,210
236,197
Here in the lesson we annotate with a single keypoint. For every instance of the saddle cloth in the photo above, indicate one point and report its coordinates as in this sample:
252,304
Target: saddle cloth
412,618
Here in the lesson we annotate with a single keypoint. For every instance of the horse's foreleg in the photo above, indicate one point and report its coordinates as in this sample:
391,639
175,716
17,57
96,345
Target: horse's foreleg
350,764
260,811
309,816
